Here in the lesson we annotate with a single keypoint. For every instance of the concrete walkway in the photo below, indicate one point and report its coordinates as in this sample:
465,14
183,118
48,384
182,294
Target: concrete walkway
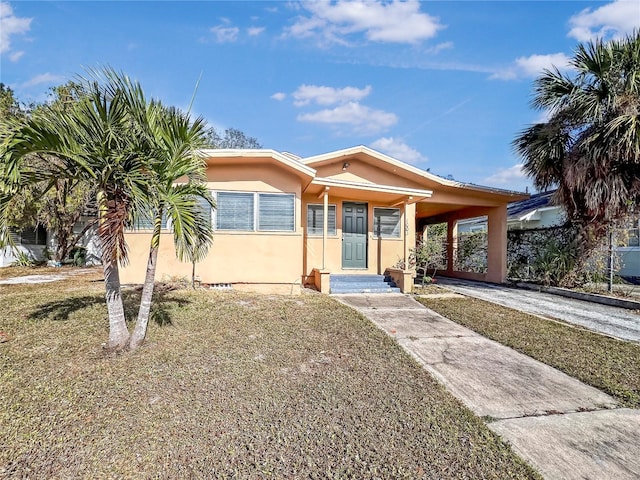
616,322
564,428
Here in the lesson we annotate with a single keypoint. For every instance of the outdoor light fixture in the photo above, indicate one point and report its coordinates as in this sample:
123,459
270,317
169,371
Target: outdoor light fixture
345,165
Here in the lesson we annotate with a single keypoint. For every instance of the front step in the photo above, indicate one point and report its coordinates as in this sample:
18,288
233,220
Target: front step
362,284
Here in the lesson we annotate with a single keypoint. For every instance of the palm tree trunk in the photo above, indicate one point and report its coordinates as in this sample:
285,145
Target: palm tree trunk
118,333
140,330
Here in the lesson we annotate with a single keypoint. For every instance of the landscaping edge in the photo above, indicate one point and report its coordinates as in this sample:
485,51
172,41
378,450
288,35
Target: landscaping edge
589,297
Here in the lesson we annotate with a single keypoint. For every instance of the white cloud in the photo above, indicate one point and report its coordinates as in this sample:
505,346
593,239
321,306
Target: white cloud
279,96
439,48
322,95
362,119
396,148
225,34
11,25
532,66
509,177
614,19
255,31
394,22
15,56
43,78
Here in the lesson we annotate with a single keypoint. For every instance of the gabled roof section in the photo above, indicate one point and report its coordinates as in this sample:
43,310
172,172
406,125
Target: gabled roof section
243,155
318,160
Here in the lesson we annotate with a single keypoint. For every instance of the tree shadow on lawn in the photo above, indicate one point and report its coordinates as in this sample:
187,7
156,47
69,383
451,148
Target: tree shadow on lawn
60,310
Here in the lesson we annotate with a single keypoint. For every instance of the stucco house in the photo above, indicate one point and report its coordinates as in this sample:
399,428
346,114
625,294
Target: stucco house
282,221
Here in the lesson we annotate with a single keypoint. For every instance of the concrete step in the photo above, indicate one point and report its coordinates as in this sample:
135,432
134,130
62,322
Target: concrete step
360,278
365,290
362,284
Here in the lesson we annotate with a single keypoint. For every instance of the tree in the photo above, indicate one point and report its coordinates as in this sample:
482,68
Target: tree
133,152
589,148
98,140
232,138
57,203
173,149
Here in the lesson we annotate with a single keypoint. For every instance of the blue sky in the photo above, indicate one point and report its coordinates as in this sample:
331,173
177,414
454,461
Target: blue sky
443,85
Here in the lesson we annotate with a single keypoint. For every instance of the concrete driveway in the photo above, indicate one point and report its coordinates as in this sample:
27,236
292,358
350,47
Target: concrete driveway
564,428
616,322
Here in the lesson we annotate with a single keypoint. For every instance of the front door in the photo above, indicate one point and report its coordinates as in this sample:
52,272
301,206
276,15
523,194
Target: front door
354,235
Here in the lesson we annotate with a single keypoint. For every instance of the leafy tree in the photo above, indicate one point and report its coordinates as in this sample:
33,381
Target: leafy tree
56,203
589,148
231,138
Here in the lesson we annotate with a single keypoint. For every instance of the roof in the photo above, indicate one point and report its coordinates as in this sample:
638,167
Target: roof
241,154
530,205
317,160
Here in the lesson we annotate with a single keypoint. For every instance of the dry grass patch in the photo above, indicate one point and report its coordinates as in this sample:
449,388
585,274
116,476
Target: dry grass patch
237,386
606,363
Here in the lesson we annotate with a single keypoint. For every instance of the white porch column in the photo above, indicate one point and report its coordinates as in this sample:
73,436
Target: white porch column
325,225
405,225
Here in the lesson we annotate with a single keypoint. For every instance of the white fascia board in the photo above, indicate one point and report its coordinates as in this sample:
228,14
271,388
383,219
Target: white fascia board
405,166
372,187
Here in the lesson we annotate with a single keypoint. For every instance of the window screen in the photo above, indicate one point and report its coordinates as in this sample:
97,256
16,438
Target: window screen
386,222
234,211
315,220
276,212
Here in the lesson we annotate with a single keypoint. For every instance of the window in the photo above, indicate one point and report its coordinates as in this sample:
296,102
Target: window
386,222
33,236
315,220
237,211
234,211
146,222
276,212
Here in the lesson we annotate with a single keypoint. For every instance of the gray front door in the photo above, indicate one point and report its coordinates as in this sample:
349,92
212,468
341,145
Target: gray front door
354,235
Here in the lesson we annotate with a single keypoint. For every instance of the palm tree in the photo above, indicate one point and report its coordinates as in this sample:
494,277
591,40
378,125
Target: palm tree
98,140
589,148
173,151
134,152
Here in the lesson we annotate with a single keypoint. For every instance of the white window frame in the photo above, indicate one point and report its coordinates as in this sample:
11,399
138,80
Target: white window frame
383,236
256,209
335,227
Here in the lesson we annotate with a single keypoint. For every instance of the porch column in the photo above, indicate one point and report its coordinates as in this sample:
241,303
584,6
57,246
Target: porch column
497,245
406,232
325,225
452,239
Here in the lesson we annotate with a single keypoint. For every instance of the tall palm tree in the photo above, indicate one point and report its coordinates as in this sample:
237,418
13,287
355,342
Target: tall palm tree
100,141
179,194
589,148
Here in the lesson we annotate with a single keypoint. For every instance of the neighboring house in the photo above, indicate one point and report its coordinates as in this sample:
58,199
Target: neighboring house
29,241
35,242
282,221
533,212
537,212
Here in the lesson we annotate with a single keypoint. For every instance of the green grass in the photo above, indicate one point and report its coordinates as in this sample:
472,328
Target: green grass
603,362
237,386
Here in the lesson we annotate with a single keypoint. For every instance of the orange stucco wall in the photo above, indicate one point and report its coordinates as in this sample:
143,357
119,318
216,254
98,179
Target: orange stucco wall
382,253
267,258
360,171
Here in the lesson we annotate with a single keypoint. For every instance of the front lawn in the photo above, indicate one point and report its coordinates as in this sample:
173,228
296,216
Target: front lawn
237,385
603,362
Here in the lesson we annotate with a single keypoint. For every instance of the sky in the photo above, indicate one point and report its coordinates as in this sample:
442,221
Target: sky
442,85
